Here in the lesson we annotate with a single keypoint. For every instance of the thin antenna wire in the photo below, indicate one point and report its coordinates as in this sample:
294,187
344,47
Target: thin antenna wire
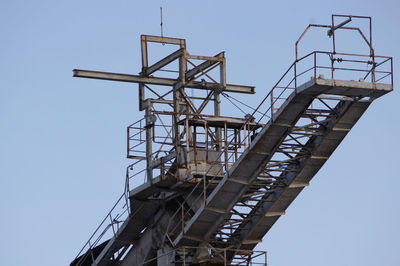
161,24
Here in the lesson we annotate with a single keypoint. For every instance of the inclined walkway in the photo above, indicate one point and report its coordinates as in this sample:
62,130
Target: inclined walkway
245,170
243,174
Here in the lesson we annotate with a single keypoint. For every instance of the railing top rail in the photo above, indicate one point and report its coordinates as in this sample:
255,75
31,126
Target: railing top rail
91,243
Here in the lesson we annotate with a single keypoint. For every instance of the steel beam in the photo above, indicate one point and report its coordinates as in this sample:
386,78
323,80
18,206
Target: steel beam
208,58
163,62
202,67
157,81
122,77
168,40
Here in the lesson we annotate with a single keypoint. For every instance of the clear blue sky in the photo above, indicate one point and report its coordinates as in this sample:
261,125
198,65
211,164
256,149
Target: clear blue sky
62,139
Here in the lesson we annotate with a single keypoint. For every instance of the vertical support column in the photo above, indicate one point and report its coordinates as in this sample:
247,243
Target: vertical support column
236,143
217,100
187,129
175,123
145,64
177,99
372,52
194,143
147,107
149,148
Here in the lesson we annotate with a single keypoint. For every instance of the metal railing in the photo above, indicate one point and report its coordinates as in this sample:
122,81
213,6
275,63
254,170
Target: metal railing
378,70
108,228
161,137
185,256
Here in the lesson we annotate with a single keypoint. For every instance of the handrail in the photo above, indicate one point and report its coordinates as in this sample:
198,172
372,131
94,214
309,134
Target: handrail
89,245
252,257
273,105
181,210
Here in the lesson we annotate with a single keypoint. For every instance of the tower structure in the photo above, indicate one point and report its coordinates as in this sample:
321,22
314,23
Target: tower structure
213,185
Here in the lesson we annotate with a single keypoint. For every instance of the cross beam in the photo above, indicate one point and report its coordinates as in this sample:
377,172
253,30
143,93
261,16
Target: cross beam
202,67
158,81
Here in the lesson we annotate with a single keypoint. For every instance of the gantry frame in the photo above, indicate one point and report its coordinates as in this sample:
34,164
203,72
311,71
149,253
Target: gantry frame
220,191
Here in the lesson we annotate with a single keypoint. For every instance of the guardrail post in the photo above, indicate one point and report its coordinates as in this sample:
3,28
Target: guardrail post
224,256
391,70
205,188
272,105
332,67
265,255
184,256
315,65
226,146
295,76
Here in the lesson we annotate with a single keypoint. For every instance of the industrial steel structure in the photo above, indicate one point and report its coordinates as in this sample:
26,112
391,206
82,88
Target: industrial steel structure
213,185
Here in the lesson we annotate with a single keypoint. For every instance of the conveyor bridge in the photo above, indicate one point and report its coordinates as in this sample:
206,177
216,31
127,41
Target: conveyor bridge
215,185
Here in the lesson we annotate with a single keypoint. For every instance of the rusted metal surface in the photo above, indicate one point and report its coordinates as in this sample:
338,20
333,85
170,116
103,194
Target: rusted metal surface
217,184
158,81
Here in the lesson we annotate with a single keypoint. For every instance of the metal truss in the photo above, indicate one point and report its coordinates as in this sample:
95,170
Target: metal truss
204,188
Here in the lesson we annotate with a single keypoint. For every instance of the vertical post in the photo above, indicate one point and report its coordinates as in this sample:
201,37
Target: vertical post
315,65
391,70
162,170
206,136
187,139
145,64
184,256
141,96
236,143
217,101
333,35
182,68
272,105
239,139
295,76
372,52
177,105
245,136
127,141
333,44
370,31
127,189
175,120
224,256
195,144
265,256
226,147
205,187
149,149
143,46
146,107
